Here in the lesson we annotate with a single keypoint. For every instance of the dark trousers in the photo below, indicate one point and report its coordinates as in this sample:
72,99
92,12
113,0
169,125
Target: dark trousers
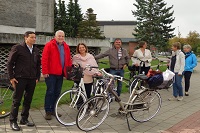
54,85
88,89
187,76
119,83
24,87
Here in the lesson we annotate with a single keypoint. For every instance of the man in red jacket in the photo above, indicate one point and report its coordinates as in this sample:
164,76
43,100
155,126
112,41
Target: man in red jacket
55,58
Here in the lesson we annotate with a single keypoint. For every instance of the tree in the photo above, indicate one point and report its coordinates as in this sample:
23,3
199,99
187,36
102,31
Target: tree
74,17
88,28
56,20
193,39
153,22
60,21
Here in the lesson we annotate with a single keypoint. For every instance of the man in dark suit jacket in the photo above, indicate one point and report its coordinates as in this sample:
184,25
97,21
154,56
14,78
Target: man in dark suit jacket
24,72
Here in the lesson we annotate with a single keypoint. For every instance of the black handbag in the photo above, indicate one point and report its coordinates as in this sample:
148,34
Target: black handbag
74,73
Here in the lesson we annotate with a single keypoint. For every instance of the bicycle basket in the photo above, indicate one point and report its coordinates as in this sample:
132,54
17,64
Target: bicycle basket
74,73
155,80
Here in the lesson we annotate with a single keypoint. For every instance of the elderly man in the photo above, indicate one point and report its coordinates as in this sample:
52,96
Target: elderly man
24,73
118,59
55,58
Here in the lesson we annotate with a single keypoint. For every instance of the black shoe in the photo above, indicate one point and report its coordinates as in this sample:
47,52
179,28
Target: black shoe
14,126
27,123
186,94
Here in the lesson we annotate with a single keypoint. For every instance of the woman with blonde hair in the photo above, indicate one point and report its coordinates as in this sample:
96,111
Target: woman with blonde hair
177,66
190,63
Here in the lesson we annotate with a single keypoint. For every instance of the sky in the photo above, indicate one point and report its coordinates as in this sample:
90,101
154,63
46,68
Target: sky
186,12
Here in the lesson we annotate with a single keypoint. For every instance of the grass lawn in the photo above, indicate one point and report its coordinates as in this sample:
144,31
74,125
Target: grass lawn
39,94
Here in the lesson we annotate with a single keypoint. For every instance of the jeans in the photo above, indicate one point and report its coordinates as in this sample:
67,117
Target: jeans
177,86
187,76
119,83
24,87
54,85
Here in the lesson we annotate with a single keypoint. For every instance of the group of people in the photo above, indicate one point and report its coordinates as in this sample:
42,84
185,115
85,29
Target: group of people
24,70
182,64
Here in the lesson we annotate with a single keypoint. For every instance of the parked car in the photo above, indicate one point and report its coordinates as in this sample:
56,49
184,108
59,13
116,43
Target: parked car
164,53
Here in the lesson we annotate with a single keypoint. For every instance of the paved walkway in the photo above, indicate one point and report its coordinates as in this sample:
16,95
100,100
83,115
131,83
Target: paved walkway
174,117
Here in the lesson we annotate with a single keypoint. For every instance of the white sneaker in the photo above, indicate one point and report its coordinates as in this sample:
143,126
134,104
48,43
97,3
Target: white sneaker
180,98
172,99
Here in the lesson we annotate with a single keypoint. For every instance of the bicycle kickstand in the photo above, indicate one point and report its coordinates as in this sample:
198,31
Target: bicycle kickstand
128,122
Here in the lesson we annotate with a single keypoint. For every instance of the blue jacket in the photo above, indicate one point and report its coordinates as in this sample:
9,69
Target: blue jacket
190,61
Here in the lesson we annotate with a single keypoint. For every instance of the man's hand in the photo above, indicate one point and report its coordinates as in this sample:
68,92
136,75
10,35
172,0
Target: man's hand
136,64
46,75
13,82
36,81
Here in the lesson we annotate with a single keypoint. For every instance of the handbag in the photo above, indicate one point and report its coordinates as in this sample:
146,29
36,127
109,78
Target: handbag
168,75
74,73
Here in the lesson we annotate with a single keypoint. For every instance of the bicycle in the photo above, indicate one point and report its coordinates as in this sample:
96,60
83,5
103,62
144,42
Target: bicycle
69,101
139,105
6,93
135,70
101,82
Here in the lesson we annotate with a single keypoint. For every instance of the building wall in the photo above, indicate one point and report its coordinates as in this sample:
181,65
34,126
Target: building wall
18,16
118,31
8,40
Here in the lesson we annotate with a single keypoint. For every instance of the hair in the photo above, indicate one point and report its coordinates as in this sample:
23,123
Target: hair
187,46
177,45
26,34
117,40
59,32
141,44
77,48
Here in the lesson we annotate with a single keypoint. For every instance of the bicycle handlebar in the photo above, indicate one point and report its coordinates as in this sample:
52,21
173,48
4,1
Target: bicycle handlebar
114,76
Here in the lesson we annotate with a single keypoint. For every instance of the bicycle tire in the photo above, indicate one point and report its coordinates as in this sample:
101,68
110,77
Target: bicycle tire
67,105
6,94
143,106
93,113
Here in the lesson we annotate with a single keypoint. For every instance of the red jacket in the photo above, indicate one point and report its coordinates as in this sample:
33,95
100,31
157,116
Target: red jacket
51,63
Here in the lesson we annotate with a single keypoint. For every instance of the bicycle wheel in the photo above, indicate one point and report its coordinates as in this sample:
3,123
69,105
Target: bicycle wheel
146,106
5,101
68,104
91,114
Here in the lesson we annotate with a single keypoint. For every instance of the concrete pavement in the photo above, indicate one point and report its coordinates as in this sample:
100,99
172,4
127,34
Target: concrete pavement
174,117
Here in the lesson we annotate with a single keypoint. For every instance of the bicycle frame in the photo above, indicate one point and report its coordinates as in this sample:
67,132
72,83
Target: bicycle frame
133,95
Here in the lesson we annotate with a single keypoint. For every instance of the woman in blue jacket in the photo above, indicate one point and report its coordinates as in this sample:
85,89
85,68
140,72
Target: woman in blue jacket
190,63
